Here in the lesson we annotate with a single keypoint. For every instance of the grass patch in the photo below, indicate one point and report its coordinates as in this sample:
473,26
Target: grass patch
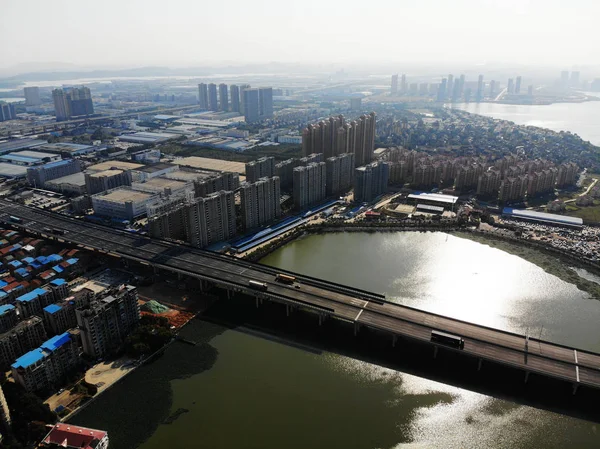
279,152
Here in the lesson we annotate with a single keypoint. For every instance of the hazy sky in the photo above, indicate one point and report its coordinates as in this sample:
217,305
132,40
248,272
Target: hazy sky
192,32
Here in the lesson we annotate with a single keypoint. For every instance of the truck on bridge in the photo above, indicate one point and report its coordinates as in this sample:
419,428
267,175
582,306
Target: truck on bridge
285,279
258,285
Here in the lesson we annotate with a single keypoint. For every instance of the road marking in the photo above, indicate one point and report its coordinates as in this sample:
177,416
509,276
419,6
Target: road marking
359,314
576,365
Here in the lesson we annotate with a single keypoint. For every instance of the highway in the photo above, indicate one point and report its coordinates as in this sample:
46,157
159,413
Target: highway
326,299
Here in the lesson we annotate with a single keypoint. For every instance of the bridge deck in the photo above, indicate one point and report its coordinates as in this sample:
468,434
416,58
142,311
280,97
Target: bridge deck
535,356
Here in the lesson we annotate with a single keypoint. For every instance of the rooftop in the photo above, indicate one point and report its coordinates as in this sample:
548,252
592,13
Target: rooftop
58,281
19,144
212,164
438,197
32,295
12,171
52,308
5,308
35,154
58,163
121,165
156,167
70,436
124,195
77,179
56,342
542,216
29,358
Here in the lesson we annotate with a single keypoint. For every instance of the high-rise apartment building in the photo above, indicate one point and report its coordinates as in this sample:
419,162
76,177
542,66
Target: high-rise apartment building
309,184
492,88
73,102
32,96
235,98
574,79
335,136
223,181
394,90
260,202
48,364
370,181
243,87
8,317
449,87
60,317
511,86
265,102
211,219
260,168
223,98
250,100
62,108
564,79
489,183
24,336
441,95
203,95
107,321
7,112
567,174
518,85
480,86
403,86
213,103
339,173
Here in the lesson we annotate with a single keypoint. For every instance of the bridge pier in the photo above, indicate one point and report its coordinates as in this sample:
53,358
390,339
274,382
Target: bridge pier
228,294
257,302
394,340
435,351
575,387
179,276
287,310
526,376
156,270
479,364
320,319
356,328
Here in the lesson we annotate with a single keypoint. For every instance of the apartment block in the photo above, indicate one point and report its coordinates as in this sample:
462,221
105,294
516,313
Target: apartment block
309,185
260,202
23,337
370,181
340,173
260,168
107,321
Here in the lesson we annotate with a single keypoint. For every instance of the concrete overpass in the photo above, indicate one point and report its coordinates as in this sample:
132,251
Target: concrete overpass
323,298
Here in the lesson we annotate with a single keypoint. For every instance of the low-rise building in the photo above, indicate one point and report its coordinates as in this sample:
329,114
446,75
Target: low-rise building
122,203
68,436
46,365
39,175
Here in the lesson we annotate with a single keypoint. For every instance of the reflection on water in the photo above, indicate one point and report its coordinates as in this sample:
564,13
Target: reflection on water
578,118
256,392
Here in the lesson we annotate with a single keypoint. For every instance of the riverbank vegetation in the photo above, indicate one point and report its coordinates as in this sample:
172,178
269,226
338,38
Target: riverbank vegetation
152,334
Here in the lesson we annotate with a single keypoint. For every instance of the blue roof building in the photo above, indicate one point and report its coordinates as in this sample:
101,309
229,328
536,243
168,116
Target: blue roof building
52,308
5,308
28,359
27,297
58,282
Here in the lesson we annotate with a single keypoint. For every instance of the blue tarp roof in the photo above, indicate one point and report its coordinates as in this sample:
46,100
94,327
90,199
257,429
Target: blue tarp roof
5,308
22,272
72,261
28,260
58,282
32,295
56,342
29,358
54,258
52,308
15,264
58,269
3,283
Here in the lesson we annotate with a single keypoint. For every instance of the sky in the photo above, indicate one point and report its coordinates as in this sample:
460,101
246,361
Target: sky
188,33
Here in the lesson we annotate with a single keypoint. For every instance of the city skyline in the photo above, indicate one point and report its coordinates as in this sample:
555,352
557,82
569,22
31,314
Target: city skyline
533,37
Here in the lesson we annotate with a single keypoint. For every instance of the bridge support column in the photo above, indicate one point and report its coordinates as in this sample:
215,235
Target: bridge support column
156,270
228,294
287,310
179,276
394,340
356,328
201,285
257,302
526,376
320,319
575,387
479,364
435,351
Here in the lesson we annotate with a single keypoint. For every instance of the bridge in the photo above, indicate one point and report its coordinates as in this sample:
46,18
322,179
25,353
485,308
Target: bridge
324,299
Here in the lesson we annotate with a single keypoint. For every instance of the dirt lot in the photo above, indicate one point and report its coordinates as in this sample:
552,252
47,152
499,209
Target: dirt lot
104,374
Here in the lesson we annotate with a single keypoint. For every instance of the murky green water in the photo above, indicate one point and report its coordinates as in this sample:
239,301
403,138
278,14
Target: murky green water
239,389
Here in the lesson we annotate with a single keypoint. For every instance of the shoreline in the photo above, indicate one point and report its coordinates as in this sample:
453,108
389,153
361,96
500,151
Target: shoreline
547,257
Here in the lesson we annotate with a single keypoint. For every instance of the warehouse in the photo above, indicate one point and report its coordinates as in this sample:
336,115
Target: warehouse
122,203
542,217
